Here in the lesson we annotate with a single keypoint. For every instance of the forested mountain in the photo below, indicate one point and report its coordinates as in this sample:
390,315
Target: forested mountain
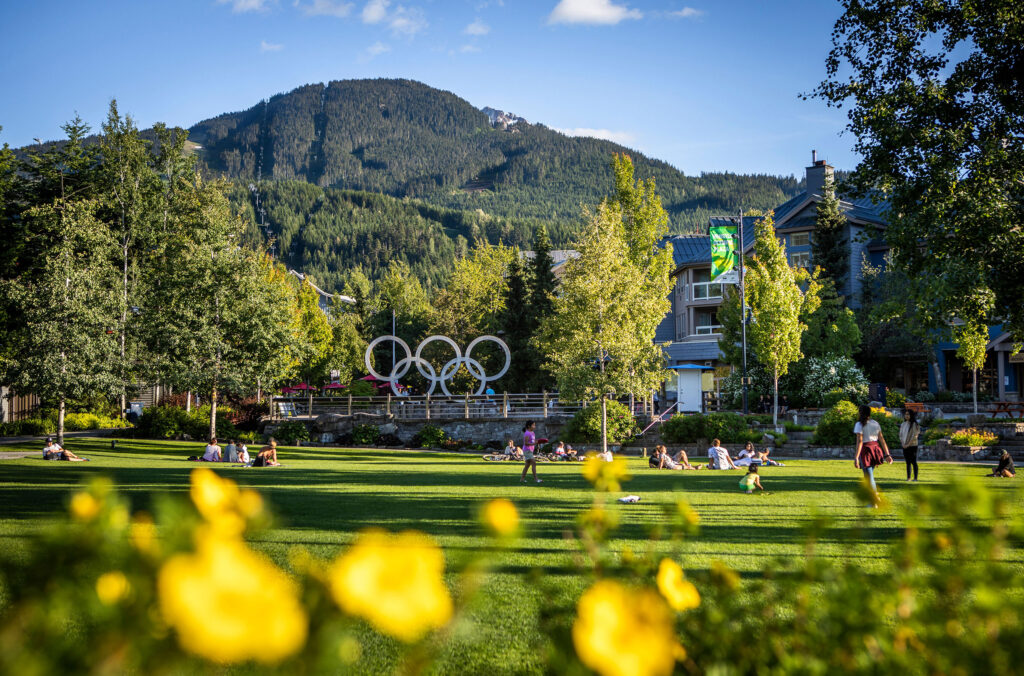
406,139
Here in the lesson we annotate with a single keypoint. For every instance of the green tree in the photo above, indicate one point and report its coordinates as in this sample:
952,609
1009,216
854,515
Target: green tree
776,303
543,286
399,297
130,188
313,337
473,301
973,339
830,245
347,343
526,358
602,340
935,101
832,329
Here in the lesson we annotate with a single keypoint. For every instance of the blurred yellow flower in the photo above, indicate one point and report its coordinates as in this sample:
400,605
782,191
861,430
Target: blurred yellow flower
393,581
84,506
112,587
229,604
501,517
624,632
143,534
679,592
606,476
221,503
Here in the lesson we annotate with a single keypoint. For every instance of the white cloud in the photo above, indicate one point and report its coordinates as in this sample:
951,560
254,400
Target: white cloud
688,13
620,137
334,8
468,49
376,49
592,12
270,46
375,11
407,21
478,27
242,6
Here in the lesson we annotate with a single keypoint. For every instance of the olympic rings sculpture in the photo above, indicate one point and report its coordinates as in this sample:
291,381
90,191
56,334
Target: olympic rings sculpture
426,369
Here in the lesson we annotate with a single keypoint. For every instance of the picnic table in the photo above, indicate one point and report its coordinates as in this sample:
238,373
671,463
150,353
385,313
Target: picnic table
1009,408
915,406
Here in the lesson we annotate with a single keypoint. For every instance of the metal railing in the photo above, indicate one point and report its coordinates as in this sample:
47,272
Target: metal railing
704,290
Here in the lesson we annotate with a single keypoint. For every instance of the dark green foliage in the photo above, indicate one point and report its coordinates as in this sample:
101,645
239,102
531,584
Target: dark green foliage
291,431
729,428
519,329
830,244
365,435
832,329
170,422
894,399
32,427
429,436
836,426
585,426
361,388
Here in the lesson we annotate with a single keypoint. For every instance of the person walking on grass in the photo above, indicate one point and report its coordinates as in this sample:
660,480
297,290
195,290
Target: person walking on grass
529,446
871,449
909,431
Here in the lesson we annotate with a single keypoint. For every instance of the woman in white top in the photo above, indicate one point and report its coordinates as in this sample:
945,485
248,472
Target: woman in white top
212,452
909,431
243,453
871,449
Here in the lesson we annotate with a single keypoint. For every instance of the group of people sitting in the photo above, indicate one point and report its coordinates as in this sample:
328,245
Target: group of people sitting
239,454
560,452
718,458
54,451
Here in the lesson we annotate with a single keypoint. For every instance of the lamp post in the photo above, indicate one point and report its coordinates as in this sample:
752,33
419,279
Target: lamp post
743,315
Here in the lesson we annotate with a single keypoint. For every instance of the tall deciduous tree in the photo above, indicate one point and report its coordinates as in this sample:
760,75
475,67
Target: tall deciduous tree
830,245
776,303
935,100
314,338
973,339
602,339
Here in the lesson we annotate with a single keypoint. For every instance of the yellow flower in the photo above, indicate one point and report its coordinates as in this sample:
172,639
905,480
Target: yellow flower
680,593
605,476
221,503
393,581
143,534
84,507
229,604
501,517
112,587
624,632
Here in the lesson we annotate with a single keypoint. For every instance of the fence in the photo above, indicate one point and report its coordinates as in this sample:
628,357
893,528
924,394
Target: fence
16,407
429,407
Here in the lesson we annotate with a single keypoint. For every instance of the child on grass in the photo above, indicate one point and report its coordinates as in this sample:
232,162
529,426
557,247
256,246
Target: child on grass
751,480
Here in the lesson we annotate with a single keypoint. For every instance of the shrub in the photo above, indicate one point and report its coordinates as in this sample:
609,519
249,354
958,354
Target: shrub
91,421
389,440
933,434
943,396
291,431
793,427
778,437
973,437
455,444
163,422
836,426
924,396
430,436
585,426
361,388
31,427
247,414
895,399
365,435
727,427
824,374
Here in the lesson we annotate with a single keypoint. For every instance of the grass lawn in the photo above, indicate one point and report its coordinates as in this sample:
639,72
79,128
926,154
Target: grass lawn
323,497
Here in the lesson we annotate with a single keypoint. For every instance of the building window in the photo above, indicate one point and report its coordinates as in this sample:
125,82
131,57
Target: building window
706,323
680,326
800,239
703,287
800,259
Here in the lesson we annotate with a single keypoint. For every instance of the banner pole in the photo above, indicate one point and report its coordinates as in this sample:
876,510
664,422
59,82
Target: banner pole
743,321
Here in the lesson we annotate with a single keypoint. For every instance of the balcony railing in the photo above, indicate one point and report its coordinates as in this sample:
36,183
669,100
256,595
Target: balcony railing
710,330
706,290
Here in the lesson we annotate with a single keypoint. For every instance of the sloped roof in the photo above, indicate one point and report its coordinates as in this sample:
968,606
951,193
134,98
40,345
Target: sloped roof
693,351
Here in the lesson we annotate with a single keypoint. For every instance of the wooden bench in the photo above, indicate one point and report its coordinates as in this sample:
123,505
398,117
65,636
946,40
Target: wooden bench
1009,408
916,407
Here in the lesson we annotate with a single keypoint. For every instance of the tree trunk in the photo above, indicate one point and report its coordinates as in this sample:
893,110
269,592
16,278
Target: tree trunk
188,402
213,413
937,373
604,423
310,401
775,397
259,391
975,388
60,422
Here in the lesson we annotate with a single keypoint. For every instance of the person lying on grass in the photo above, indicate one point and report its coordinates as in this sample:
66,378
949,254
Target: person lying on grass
1005,467
751,480
54,451
511,452
719,458
662,460
751,456
267,457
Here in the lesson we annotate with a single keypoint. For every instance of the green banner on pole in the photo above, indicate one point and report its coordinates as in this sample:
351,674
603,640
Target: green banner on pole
723,249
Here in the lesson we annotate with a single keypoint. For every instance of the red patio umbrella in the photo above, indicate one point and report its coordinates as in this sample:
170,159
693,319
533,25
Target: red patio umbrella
334,386
370,377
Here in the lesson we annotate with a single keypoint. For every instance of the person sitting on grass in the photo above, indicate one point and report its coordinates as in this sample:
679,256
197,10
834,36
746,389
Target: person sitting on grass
662,460
1005,467
243,453
212,452
267,457
751,480
231,452
684,460
510,452
572,455
54,451
719,458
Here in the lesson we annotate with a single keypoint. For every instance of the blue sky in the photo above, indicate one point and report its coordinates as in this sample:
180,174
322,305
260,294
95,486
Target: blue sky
705,86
